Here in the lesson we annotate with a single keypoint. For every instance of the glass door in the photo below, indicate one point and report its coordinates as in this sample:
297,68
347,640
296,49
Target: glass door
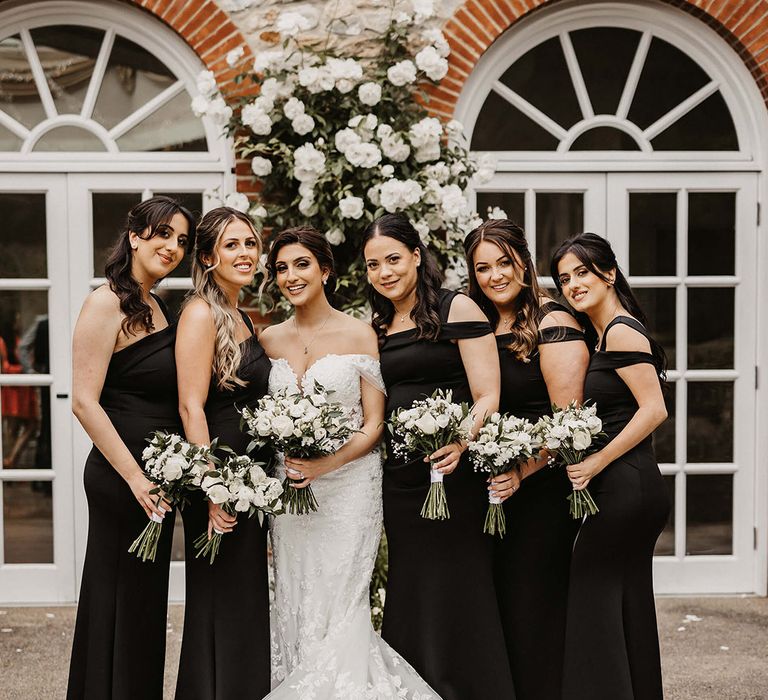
688,242
36,527
99,204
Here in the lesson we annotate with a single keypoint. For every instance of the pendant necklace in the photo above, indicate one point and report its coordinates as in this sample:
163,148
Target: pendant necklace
314,335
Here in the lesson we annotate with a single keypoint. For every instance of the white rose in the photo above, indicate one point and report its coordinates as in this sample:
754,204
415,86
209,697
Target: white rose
148,452
258,499
422,228
308,206
387,170
425,131
308,163
320,433
293,108
363,155
335,237
496,213
174,467
218,494
581,440
594,425
291,23
402,73
206,83
486,167
453,202
303,124
427,424
373,195
263,426
282,426
260,212
442,420
242,505
369,93
199,105
268,60
237,200
219,111
397,195
265,103
428,152
345,139
438,40
261,166
432,63
234,56
351,207
256,119
210,481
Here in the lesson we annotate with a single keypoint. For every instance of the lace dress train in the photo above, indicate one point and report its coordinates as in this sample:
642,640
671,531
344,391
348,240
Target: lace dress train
323,644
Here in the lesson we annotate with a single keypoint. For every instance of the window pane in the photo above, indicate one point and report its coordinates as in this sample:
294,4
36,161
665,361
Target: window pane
512,203
659,305
172,127
605,80
710,328
28,522
709,514
710,422
23,341
68,55
558,215
23,235
541,76
664,435
110,210
708,127
652,233
69,138
711,233
668,78
8,140
502,127
18,93
26,419
133,77
605,138
665,545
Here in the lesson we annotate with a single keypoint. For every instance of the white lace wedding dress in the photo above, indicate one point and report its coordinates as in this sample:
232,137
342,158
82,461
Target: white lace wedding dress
323,644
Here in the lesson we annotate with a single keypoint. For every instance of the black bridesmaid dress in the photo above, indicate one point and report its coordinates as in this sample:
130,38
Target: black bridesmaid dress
612,643
441,612
225,651
118,650
533,559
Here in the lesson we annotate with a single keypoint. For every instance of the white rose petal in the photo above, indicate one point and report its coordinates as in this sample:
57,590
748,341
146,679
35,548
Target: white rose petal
351,207
261,166
218,494
303,124
335,237
260,212
432,63
369,93
293,108
237,200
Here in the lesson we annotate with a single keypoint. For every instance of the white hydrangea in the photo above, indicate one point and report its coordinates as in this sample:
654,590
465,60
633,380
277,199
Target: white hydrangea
219,111
396,195
351,207
402,73
436,38
363,155
453,202
206,83
234,56
369,93
261,166
256,119
303,124
308,163
423,10
291,23
432,63
237,200
335,236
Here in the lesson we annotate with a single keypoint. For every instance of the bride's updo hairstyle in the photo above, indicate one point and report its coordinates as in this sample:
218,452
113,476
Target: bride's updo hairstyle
596,254
226,354
315,242
510,239
428,275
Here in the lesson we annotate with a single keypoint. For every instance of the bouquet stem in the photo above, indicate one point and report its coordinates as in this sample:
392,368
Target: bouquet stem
582,504
298,501
436,504
495,520
145,545
208,547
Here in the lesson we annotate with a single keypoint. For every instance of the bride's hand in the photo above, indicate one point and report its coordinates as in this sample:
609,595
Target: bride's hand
446,459
305,471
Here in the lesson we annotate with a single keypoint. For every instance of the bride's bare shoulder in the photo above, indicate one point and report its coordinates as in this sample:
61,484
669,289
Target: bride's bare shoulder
273,337
359,336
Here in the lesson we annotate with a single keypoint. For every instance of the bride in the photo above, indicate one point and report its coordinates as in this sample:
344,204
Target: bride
323,644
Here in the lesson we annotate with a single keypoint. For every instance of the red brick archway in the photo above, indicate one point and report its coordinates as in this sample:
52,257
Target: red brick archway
478,23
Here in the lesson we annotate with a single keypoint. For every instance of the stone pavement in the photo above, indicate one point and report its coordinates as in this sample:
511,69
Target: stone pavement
712,649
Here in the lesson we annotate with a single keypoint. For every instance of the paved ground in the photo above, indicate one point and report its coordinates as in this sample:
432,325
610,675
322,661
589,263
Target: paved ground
712,649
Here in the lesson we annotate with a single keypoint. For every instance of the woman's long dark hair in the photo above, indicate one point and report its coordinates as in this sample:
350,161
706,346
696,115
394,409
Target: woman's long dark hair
510,239
146,220
429,279
596,254
316,243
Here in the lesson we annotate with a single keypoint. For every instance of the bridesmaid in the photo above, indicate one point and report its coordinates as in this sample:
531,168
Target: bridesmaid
611,643
543,360
123,388
221,366
441,612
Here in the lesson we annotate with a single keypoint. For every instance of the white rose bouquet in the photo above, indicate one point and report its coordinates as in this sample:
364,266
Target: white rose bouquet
238,485
298,425
502,442
176,467
424,428
569,433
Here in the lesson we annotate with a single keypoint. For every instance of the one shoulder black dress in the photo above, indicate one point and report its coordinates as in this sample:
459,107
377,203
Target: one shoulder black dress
441,612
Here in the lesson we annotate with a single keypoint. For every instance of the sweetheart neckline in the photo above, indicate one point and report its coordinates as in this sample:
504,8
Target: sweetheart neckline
300,382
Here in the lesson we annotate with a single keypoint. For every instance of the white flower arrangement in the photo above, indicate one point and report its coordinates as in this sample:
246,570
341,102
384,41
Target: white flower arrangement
312,122
569,433
499,446
176,467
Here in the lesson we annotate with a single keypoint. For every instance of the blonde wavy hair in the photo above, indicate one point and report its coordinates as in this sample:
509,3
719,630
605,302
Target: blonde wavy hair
226,353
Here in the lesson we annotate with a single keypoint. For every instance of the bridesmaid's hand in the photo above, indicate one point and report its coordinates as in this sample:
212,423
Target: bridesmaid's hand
219,519
446,459
150,502
505,485
582,473
304,471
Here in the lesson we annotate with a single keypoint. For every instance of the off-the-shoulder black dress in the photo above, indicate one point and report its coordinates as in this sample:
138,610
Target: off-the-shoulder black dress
533,559
612,643
118,650
441,612
225,651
